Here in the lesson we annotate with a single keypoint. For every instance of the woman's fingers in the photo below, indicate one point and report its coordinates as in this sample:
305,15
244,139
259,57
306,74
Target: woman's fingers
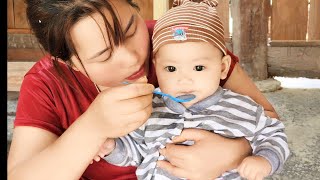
190,134
129,91
140,117
133,121
171,169
175,153
136,104
107,147
119,110
97,158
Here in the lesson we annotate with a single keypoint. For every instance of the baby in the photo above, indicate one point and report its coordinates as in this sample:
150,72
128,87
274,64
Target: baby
190,58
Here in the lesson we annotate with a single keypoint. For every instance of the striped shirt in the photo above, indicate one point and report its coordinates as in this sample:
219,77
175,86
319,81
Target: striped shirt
225,112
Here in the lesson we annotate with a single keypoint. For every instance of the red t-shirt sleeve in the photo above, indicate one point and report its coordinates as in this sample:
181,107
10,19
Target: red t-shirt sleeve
35,106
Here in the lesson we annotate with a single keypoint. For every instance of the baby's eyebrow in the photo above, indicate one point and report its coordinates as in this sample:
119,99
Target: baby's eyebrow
201,59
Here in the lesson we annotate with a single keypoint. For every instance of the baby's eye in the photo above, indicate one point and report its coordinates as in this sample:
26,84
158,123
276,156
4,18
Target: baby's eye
170,68
199,68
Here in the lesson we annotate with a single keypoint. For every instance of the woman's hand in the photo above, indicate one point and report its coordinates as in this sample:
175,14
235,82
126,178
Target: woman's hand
209,157
117,111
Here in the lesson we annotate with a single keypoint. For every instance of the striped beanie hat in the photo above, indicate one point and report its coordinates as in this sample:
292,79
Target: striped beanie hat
190,21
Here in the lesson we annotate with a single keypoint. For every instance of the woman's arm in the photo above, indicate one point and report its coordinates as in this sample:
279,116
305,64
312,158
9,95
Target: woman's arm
241,83
39,154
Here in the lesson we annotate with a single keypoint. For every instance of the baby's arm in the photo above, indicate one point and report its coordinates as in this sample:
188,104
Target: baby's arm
269,145
129,150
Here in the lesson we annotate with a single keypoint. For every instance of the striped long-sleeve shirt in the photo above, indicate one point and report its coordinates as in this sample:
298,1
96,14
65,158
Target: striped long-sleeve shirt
225,112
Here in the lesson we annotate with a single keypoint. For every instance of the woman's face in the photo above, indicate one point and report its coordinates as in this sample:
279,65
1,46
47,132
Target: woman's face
107,68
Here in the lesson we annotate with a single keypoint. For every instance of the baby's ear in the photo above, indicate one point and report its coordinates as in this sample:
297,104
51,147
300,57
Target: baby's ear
225,66
154,60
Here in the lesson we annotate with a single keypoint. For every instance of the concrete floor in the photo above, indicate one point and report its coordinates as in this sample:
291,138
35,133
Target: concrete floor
299,110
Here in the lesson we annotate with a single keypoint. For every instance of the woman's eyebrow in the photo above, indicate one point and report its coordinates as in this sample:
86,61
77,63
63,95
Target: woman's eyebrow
131,21
99,53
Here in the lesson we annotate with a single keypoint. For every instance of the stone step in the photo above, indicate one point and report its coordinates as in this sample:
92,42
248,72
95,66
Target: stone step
11,113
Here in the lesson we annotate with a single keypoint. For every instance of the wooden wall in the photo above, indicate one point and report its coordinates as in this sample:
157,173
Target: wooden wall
294,31
314,20
16,15
291,20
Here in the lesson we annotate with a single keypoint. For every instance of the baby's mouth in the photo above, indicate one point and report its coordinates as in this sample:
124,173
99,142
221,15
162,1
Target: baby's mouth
185,93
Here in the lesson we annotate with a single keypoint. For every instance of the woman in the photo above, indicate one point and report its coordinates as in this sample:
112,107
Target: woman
71,103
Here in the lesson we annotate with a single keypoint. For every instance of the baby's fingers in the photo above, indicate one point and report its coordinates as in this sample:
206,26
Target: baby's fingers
97,158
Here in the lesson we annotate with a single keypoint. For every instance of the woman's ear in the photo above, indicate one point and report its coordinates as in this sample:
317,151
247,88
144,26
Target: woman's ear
225,66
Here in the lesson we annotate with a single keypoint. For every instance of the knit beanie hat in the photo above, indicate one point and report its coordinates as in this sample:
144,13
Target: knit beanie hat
190,21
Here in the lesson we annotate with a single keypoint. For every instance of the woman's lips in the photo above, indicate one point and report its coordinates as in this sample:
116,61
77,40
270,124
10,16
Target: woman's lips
137,74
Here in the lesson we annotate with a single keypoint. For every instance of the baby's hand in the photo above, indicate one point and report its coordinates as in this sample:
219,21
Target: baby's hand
254,168
106,148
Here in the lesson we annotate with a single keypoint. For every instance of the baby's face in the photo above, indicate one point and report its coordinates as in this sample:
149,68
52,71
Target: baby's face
190,68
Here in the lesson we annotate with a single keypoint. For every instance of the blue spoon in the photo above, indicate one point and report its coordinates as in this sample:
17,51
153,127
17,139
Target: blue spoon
179,99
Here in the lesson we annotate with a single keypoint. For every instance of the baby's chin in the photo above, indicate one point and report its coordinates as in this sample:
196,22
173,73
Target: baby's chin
189,104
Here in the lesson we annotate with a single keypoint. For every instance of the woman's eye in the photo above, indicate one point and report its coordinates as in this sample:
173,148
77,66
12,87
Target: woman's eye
131,35
199,68
107,57
170,68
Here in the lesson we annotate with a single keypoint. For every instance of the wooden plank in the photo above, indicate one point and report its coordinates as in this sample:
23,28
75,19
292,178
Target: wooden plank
289,19
19,31
295,43
223,11
159,8
249,38
10,14
20,17
146,9
294,61
22,54
16,72
170,4
314,20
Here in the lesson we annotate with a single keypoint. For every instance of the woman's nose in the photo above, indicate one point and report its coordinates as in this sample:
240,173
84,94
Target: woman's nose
127,57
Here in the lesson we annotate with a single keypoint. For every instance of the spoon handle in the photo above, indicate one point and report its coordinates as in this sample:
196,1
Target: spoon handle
167,95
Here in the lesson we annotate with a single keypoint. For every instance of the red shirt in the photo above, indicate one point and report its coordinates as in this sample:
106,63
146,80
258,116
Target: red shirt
49,102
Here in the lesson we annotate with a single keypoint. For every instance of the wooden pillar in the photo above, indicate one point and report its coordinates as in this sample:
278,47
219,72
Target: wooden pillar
249,38
314,20
159,8
146,8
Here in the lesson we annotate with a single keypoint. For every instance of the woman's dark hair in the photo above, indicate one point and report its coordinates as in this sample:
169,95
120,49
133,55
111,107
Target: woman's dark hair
51,21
